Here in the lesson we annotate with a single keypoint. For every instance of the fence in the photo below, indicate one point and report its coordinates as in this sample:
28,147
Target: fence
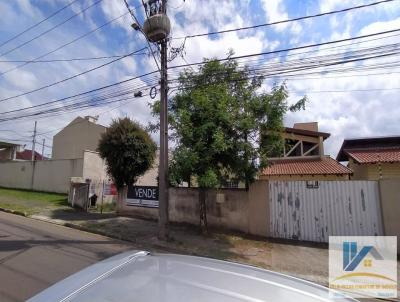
299,210
43,175
313,211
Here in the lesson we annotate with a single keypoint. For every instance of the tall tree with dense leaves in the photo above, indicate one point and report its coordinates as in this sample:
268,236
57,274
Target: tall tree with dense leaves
224,126
129,152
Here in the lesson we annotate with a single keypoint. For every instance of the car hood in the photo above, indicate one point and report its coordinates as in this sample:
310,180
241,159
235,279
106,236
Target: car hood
141,276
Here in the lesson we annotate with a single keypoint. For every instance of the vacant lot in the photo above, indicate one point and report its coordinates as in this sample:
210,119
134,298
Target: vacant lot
30,202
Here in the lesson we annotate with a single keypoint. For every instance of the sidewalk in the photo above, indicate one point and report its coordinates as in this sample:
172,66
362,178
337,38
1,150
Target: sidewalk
307,262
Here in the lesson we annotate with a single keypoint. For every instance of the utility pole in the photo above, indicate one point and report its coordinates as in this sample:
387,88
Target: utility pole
156,29
34,142
163,196
44,140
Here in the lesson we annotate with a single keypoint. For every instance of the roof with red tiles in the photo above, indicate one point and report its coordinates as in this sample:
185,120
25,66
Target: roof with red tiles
367,144
27,155
372,156
305,166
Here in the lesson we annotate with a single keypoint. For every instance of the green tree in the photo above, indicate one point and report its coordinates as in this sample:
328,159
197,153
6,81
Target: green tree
129,152
223,125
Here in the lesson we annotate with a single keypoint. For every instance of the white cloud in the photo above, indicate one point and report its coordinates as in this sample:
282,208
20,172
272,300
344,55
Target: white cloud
342,114
275,11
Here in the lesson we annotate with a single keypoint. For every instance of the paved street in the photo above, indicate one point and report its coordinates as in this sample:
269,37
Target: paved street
35,254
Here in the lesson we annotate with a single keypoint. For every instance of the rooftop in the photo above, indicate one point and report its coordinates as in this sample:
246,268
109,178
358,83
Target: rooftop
377,155
305,166
7,144
307,132
27,155
369,144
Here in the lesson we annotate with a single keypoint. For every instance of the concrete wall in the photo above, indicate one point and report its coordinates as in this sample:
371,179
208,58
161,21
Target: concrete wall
390,204
258,214
16,174
54,175
94,166
234,209
75,138
44,175
226,208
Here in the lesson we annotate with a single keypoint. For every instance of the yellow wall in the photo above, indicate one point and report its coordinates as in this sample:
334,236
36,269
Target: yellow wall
371,171
304,177
390,202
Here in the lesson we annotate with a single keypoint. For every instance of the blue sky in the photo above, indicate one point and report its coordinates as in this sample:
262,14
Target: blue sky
344,114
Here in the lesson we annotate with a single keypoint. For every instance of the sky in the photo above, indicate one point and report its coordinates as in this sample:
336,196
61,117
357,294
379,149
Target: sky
347,105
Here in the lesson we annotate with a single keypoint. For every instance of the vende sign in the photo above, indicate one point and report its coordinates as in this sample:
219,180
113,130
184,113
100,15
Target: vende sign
142,196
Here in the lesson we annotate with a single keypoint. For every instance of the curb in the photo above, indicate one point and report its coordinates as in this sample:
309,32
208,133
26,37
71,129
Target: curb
20,213
79,228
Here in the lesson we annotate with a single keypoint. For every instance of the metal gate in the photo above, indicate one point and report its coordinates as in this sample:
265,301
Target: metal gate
315,210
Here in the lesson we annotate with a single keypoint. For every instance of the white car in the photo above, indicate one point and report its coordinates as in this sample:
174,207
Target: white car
146,277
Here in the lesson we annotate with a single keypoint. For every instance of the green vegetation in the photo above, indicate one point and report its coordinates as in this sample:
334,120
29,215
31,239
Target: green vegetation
30,202
128,150
224,125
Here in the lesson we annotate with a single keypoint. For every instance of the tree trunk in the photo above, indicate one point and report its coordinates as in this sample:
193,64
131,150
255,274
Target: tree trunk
203,211
121,197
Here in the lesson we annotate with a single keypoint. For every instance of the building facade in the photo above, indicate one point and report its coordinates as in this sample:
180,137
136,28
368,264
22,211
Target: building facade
8,151
83,133
372,158
303,157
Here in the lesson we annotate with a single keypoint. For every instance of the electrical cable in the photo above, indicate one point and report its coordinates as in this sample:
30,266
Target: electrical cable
50,29
71,77
283,21
65,44
37,24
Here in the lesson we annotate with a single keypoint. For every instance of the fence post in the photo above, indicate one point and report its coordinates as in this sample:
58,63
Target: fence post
102,198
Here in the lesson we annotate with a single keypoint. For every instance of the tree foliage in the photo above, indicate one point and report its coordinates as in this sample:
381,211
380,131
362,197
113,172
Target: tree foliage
224,125
128,149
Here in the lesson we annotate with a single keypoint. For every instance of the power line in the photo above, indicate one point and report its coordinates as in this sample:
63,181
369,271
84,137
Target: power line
288,49
279,72
70,59
389,48
60,110
284,21
101,113
84,94
194,64
65,45
50,29
37,24
69,78
88,100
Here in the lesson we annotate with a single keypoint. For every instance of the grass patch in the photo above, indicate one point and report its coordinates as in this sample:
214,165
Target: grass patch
30,202
107,207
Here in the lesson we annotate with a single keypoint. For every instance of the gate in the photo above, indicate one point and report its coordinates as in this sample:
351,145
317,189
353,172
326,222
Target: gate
315,210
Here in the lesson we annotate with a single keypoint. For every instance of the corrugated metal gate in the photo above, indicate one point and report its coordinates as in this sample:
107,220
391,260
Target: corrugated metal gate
312,210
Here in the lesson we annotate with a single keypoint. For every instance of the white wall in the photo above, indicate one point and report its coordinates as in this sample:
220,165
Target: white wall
46,175
75,138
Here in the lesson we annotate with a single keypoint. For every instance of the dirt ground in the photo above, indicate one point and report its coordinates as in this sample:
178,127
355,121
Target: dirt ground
305,261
